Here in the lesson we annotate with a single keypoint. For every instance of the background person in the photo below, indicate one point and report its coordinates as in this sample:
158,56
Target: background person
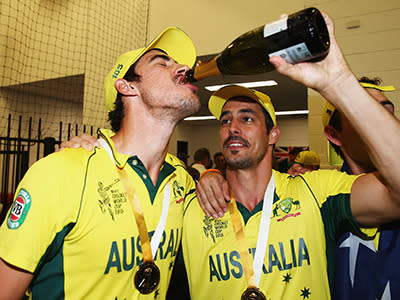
373,272
202,160
305,161
220,163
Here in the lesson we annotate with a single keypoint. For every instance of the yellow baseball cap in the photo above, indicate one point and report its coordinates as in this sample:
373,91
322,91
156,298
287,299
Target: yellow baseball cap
329,109
219,98
172,41
308,158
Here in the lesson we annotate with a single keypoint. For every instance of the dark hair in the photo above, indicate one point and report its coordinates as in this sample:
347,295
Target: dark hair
115,116
268,120
201,154
376,80
336,123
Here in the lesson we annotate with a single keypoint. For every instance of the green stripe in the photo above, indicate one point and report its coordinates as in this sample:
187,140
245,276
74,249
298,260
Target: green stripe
337,218
48,280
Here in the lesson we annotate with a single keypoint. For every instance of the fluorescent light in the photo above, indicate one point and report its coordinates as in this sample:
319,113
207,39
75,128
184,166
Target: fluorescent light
291,112
213,88
278,113
199,118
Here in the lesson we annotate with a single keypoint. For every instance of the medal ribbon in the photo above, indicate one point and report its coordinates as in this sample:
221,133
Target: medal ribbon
252,269
148,249
138,213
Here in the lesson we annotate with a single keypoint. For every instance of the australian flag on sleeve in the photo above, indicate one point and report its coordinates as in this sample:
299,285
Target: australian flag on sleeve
362,272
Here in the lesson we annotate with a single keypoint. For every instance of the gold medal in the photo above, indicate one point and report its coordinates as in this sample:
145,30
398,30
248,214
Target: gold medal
147,277
252,293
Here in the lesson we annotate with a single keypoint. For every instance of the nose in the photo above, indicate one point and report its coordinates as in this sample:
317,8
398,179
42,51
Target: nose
181,70
234,128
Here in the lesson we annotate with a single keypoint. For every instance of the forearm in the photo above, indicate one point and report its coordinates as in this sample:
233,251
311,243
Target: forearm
13,281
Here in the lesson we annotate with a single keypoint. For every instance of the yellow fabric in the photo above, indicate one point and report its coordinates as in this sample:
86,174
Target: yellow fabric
134,201
295,261
308,158
387,88
247,261
218,99
80,231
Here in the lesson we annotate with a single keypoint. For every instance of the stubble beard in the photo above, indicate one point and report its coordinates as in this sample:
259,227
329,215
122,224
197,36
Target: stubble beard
241,163
178,108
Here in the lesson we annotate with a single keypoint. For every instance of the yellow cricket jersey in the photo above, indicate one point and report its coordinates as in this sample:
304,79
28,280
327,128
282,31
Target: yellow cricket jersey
73,227
308,213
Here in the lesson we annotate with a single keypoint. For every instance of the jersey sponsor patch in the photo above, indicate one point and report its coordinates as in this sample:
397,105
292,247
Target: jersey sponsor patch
179,191
19,209
283,209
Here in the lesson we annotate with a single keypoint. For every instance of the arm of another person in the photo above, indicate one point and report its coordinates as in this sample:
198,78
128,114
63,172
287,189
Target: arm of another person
85,141
297,169
14,282
212,191
375,198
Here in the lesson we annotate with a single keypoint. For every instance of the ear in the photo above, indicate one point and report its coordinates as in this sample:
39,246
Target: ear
332,135
125,87
274,135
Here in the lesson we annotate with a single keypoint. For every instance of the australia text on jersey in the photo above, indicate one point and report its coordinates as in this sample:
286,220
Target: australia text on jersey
127,253
294,254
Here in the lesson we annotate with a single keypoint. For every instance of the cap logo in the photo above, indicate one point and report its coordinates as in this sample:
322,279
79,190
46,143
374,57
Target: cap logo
19,210
117,70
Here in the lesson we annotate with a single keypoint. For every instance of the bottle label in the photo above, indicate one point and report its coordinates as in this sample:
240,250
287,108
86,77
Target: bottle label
294,53
275,27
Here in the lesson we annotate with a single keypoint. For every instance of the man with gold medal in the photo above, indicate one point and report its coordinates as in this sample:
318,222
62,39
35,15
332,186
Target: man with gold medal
107,223
279,237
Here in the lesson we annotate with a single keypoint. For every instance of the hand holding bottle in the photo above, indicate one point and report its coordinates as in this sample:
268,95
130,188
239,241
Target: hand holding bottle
321,75
300,36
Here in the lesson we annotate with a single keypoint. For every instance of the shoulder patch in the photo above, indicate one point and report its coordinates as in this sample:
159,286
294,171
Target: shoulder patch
19,209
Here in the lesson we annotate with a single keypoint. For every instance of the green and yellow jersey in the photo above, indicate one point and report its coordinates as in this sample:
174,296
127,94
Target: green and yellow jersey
308,213
72,225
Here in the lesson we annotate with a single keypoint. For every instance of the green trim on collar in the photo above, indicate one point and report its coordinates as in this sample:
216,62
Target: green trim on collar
246,214
166,170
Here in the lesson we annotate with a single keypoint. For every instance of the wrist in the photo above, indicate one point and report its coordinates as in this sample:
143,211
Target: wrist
211,170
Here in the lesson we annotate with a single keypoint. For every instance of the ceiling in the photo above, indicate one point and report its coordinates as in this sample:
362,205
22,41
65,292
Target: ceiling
287,95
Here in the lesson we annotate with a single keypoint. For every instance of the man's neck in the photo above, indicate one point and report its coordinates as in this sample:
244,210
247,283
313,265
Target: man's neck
146,139
249,185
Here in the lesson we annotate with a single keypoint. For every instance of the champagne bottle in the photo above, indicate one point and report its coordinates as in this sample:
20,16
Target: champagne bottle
302,36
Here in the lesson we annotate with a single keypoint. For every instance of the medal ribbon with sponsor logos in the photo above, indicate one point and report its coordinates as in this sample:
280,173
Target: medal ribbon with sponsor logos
147,276
253,268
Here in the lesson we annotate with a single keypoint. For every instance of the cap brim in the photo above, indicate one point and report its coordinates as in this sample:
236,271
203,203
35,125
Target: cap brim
176,44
